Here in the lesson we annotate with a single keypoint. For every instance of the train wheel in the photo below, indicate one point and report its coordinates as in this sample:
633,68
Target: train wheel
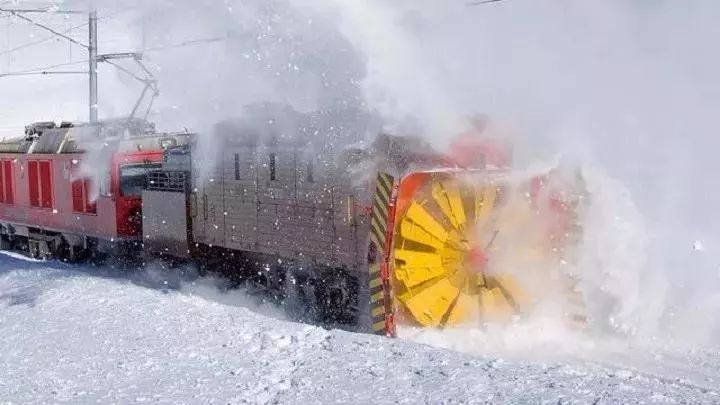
337,298
33,249
298,304
66,253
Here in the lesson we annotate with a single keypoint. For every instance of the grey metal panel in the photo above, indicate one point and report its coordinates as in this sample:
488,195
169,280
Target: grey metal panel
352,222
209,226
165,223
214,213
240,214
279,194
198,222
239,197
294,216
318,190
240,192
319,195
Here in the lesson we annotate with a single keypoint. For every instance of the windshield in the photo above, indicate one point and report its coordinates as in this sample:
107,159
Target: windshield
133,178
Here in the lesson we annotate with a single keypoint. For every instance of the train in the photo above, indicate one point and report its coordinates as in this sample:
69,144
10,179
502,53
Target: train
369,235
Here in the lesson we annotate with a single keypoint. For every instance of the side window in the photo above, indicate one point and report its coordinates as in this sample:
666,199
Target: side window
6,182
78,201
34,183
273,164
8,177
81,193
40,183
2,182
46,184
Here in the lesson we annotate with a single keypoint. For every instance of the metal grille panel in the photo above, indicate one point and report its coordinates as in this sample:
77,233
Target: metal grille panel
174,181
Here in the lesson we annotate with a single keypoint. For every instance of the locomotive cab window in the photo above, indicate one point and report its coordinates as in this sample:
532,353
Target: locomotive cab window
134,178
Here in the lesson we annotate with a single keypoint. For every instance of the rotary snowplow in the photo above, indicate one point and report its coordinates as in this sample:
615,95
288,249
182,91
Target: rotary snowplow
471,246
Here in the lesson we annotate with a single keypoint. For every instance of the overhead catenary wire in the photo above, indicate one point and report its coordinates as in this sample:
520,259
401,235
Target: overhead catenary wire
46,28
190,42
42,68
46,73
40,10
37,42
49,38
480,2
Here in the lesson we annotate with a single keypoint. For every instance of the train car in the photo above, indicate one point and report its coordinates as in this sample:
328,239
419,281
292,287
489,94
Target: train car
74,190
283,206
368,235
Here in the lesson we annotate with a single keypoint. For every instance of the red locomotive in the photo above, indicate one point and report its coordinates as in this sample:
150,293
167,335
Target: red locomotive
71,191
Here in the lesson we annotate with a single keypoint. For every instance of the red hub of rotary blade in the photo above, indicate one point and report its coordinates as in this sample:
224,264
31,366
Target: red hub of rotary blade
477,259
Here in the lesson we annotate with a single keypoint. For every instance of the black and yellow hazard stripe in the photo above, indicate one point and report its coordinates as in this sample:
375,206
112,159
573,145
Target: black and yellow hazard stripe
378,232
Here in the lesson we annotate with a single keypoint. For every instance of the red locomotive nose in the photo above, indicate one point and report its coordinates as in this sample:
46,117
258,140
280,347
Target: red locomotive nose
472,149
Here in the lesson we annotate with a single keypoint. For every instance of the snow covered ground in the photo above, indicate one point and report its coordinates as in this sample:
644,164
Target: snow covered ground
69,334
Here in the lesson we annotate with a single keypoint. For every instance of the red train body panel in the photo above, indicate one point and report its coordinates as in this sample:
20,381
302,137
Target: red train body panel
48,193
42,190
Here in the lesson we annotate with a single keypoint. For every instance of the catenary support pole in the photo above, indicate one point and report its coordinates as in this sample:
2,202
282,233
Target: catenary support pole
92,59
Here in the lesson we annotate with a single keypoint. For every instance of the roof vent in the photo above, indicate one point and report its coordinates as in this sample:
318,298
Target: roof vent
37,128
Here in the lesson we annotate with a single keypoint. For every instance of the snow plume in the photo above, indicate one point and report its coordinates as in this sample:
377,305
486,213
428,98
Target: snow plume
186,280
400,82
627,90
216,290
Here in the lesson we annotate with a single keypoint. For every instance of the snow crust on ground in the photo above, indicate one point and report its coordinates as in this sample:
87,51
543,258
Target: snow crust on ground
79,335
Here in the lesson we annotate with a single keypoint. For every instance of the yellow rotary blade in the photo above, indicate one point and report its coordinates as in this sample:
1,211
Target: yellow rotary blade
447,195
429,305
419,226
461,249
417,267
